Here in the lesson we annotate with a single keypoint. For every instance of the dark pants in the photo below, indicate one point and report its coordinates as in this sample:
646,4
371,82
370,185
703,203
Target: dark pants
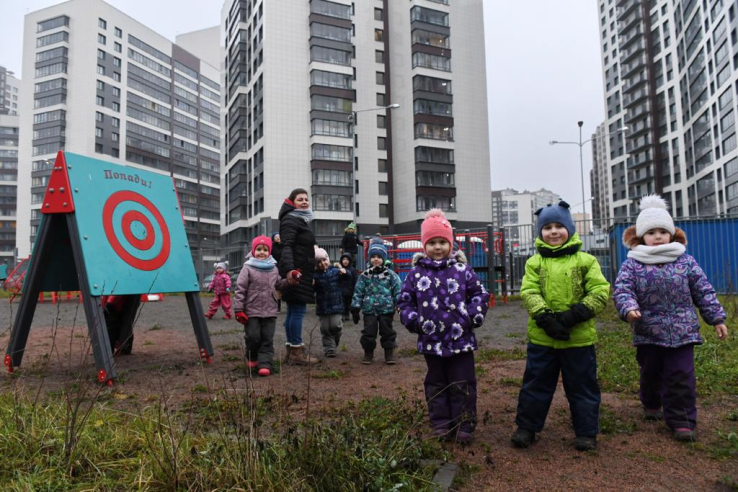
451,391
347,305
578,367
667,378
330,331
260,341
381,324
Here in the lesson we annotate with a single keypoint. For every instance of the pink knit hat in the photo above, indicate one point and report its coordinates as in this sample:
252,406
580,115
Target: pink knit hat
436,225
258,241
321,254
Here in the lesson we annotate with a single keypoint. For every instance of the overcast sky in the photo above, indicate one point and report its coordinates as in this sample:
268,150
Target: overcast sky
543,75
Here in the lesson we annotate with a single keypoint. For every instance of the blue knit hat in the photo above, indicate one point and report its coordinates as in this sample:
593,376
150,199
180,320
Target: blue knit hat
555,213
377,247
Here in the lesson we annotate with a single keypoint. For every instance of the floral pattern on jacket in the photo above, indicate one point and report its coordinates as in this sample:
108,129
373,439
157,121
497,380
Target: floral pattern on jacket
377,291
443,301
220,284
666,296
328,291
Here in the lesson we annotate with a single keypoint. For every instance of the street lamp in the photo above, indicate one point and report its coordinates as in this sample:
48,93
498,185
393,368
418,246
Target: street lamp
355,121
581,159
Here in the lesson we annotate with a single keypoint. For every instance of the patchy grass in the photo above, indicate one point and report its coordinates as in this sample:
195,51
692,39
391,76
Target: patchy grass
333,374
156,327
498,355
514,382
612,423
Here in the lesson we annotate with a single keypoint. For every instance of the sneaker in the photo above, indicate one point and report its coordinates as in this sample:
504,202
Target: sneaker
252,364
464,438
585,443
523,438
684,434
652,415
368,357
264,372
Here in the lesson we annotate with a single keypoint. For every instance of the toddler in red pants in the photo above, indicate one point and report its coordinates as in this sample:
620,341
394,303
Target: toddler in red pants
221,286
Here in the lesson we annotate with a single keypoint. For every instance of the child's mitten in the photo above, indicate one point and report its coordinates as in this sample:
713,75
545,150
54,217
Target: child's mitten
578,313
242,318
551,325
355,315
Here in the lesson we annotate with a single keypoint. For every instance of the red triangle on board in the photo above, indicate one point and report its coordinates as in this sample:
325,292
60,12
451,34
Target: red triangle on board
58,198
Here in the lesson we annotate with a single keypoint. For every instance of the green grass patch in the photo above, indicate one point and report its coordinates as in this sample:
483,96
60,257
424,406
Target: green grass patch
333,374
497,355
612,423
514,382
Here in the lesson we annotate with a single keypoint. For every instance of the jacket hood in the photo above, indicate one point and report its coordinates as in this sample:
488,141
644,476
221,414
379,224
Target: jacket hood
459,256
574,240
346,255
286,208
631,239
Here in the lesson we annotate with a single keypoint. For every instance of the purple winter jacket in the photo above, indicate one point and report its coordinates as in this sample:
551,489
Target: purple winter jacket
666,295
443,301
255,291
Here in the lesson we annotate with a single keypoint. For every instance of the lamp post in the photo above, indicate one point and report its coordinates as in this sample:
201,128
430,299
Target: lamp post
581,158
353,119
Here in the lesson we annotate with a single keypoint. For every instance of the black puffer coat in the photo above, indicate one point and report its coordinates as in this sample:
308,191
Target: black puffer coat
298,253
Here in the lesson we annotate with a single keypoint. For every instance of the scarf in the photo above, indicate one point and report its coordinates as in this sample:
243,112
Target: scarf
656,255
380,271
267,264
556,253
306,214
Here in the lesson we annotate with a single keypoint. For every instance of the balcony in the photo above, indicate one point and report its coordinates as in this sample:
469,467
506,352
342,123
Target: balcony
634,145
624,7
630,36
627,54
633,82
639,128
626,23
639,160
637,63
631,98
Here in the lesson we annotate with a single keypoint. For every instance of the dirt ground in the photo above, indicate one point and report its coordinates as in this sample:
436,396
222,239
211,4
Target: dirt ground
165,360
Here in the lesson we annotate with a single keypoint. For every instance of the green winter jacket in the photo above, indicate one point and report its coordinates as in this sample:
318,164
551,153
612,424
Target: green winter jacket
377,292
557,283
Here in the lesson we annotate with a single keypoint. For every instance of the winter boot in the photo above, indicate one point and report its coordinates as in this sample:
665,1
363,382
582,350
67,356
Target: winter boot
684,434
264,372
298,357
585,443
389,356
368,357
523,438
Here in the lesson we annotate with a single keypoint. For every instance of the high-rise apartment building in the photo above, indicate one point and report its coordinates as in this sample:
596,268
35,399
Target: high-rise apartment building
8,185
670,76
9,87
302,110
598,178
101,84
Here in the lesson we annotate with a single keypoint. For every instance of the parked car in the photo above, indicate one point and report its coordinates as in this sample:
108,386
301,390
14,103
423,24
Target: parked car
206,282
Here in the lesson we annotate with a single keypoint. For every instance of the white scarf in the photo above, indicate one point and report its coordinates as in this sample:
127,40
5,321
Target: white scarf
656,255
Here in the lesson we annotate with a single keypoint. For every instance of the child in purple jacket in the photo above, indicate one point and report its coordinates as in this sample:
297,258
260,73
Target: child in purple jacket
255,304
442,300
656,291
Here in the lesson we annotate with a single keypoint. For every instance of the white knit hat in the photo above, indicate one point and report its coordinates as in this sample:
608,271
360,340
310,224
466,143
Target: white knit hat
654,215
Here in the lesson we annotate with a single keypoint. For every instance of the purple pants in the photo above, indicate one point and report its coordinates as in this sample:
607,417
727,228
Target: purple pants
451,391
667,378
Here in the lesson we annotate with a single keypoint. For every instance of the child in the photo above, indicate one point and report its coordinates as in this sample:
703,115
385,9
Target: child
656,292
563,290
256,305
327,281
443,301
376,294
221,285
348,282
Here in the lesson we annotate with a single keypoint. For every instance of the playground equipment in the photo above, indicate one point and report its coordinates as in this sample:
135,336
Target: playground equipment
107,230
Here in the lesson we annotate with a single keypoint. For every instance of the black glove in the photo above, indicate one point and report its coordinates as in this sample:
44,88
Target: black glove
355,315
578,313
549,323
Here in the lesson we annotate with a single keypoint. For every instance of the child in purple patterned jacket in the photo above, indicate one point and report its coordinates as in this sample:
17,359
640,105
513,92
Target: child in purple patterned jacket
442,300
656,291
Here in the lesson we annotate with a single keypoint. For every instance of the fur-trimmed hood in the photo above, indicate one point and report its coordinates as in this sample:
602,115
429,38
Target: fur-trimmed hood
459,256
631,239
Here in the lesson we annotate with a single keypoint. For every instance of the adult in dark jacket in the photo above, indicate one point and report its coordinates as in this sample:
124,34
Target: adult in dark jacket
350,242
348,282
277,254
296,264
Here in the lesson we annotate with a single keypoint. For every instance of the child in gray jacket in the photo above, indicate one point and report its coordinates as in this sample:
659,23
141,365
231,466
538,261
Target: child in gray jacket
255,304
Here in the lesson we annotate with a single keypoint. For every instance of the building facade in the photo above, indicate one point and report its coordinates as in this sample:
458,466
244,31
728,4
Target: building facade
9,88
306,102
8,186
670,76
598,178
101,84
515,211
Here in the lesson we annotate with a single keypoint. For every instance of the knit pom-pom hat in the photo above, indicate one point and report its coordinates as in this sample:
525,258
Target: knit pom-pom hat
436,225
377,247
321,254
222,264
654,215
258,241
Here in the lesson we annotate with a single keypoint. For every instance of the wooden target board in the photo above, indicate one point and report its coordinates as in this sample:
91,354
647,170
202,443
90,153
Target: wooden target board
106,230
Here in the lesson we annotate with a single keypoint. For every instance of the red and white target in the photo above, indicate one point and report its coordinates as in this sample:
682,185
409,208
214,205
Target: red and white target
123,214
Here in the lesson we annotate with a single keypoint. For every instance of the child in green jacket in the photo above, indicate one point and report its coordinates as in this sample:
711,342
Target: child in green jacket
563,290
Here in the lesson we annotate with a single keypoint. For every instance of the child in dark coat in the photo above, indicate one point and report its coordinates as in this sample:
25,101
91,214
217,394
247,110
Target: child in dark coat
329,300
348,283
657,290
255,304
443,301
221,287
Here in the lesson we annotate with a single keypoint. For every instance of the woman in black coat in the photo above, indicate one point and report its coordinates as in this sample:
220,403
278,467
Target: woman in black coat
296,264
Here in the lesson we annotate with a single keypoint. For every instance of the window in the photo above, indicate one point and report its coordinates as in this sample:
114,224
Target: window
116,61
118,47
379,35
116,92
381,99
101,39
116,76
43,102
100,85
328,55
332,104
116,107
380,78
52,23
445,203
118,33
330,177
332,128
379,56
99,148
330,32
434,132
99,116
330,79
116,123
383,210
100,54
383,188
435,178
52,53
102,24
50,85
98,132
330,9
151,50
381,121
430,38
101,70
381,143
382,165
58,37
100,101
429,16
432,84
51,70
432,154
148,62
424,106
435,62
325,152
337,203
